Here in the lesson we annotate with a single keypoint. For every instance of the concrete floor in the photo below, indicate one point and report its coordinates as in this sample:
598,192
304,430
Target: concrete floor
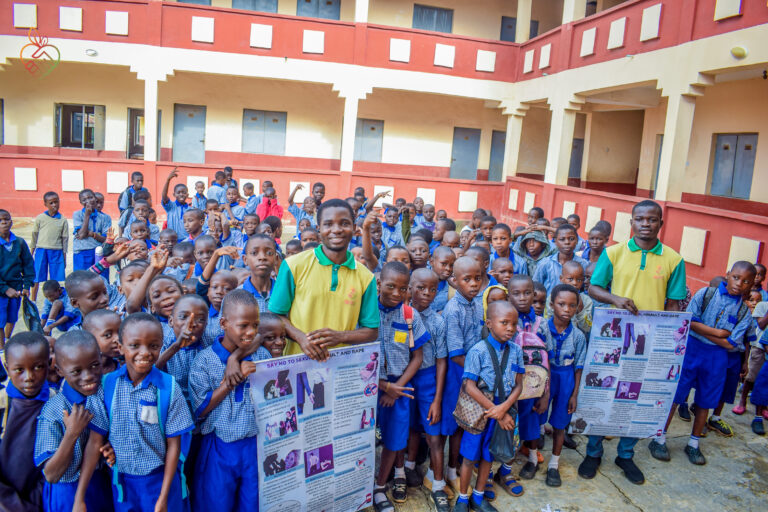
734,478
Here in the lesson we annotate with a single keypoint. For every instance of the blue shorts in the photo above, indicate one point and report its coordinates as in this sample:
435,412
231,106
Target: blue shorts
732,376
760,391
49,262
453,378
425,387
704,368
562,380
83,260
528,420
394,422
226,475
59,497
475,447
9,310
140,493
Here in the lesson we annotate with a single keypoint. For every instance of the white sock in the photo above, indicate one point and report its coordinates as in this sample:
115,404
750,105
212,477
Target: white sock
430,475
693,442
379,494
554,462
410,464
533,455
450,474
438,485
662,438
399,472
714,418
541,430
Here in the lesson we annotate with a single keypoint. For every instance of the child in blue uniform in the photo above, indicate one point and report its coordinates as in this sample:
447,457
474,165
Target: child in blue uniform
260,256
17,274
146,419
567,349
225,473
549,269
401,346
57,312
50,237
720,317
463,323
442,261
90,231
62,428
480,365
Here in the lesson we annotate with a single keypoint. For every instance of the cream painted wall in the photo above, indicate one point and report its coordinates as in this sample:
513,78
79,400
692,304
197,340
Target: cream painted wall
653,126
533,142
314,112
729,107
29,101
418,128
614,149
549,13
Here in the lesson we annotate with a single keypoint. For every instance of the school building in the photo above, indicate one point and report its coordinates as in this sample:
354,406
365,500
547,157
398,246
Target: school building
582,106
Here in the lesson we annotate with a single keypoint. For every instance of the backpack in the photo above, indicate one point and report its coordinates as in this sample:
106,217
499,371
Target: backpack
536,360
121,196
743,308
164,395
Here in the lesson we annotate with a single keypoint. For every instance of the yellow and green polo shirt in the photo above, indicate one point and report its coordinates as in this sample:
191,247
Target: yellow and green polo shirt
646,277
313,292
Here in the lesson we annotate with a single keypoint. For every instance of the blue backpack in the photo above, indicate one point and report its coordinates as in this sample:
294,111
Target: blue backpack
164,394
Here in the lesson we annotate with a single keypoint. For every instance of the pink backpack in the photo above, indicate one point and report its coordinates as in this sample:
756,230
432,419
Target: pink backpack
536,360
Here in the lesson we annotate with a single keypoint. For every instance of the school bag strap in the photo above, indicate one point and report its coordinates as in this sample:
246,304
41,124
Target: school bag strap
710,293
499,386
408,316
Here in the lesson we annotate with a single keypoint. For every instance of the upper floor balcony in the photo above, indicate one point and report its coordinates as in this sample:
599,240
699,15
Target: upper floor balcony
462,38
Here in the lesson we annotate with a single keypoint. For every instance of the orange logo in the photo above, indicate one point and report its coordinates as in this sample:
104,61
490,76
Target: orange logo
351,296
658,275
38,57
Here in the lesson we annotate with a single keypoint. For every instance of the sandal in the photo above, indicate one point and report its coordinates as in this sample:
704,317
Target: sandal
739,410
509,484
382,506
489,494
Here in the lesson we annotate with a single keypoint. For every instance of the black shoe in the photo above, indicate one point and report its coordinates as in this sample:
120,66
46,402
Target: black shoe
553,477
440,499
588,467
631,471
682,411
484,506
529,471
659,451
413,478
569,442
461,506
399,490
695,455
757,427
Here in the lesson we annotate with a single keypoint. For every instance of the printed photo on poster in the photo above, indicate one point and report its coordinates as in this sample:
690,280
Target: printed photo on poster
318,460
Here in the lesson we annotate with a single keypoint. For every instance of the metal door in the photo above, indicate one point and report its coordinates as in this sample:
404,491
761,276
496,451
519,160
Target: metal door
466,148
255,5
508,28
189,133
577,155
495,169
326,9
659,147
534,29
274,132
744,165
725,157
369,135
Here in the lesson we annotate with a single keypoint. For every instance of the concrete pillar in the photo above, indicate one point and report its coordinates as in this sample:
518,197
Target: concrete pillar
361,11
512,146
560,144
674,151
150,119
573,10
523,26
587,142
348,132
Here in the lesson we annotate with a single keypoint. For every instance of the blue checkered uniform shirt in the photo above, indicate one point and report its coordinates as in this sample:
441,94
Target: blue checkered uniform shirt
479,365
463,324
566,348
721,313
393,336
392,235
263,301
519,266
300,214
98,223
175,211
181,362
549,269
435,348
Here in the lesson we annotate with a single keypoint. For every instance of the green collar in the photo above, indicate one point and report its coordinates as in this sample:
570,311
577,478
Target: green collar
324,260
657,249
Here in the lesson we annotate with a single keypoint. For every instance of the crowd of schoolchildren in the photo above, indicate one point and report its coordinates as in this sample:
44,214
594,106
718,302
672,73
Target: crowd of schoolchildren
135,398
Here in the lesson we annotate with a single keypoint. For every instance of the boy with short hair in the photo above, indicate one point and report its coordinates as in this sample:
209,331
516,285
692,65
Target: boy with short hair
539,298
50,237
175,209
17,274
720,319
427,220
218,189
392,231
759,278
125,200
442,261
307,210
501,238
575,221
198,201
487,223
90,231
233,212
57,312
549,269
573,274
251,199
595,246
193,220
260,256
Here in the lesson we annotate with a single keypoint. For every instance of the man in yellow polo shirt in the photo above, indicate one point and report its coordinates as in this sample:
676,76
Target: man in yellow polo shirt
325,298
640,274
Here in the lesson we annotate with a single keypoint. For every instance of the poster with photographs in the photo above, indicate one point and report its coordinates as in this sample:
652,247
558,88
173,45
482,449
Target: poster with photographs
317,430
631,372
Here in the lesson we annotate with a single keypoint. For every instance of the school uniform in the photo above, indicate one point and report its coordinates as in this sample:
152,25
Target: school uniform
180,363
84,250
154,231
17,271
59,496
567,352
463,327
760,391
251,203
532,263
583,318
213,329
262,300
237,210
733,368
393,336
126,199
425,380
132,426
392,235
21,481
528,419
549,269
176,211
50,237
226,476
518,264
198,201
705,364
757,346
441,298
217,192
478,365
66,310
299,215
